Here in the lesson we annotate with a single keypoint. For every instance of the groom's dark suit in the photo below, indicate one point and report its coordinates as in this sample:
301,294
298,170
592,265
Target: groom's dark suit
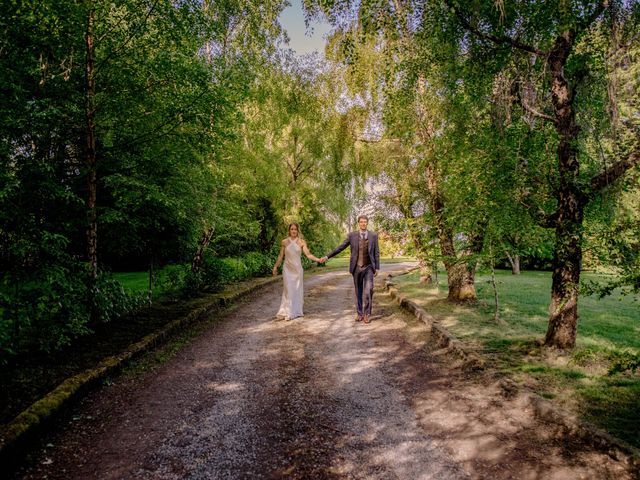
363,263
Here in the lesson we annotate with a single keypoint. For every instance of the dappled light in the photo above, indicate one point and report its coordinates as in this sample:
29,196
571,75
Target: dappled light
320,239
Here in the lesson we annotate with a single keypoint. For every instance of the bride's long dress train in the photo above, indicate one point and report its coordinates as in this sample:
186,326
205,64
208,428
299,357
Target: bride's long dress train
292,274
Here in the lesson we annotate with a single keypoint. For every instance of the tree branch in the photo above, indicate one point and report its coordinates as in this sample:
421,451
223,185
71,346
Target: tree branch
542,218
500,40
117,51
532,110
615,171
600,8
291,168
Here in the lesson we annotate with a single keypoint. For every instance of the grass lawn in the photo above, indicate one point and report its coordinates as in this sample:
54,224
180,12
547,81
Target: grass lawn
577,380
133,281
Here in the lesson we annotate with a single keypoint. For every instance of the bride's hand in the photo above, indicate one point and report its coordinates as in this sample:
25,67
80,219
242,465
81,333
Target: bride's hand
275,271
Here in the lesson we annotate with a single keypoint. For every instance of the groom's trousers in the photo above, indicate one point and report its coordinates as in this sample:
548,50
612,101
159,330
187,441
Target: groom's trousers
363,282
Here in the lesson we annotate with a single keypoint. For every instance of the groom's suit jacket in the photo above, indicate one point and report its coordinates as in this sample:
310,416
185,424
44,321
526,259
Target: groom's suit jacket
353,241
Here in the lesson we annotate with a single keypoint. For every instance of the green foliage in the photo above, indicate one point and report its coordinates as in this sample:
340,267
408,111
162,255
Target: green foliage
52,306
110,300
184,127
170,281
217,272
613,234
623,361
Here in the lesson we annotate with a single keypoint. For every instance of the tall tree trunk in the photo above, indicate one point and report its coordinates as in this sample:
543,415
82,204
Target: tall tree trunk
92,182
196,263
461,278
514,260
563,310
424,264
460,274
208,50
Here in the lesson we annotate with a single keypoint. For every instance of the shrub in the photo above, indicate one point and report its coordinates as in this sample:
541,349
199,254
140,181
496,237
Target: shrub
623,361
110,300
217,272
44,310
52,306
172,279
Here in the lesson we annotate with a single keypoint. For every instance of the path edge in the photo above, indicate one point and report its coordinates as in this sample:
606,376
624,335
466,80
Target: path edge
17,435
542,408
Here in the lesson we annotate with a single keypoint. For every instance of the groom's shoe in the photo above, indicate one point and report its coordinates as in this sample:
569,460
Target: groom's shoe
358,318
366,319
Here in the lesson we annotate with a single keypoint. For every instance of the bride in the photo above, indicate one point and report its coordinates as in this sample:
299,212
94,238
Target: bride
290,249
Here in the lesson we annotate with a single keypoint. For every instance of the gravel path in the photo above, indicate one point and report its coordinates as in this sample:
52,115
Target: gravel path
318,397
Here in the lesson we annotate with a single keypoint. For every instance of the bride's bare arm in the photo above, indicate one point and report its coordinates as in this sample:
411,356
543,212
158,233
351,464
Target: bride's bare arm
279,260
308,254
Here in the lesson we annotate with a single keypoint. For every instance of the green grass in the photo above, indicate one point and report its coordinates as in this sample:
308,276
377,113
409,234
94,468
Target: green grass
133,281
578,380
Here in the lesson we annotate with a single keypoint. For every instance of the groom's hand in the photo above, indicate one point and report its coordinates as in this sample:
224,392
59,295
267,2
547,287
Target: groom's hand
375,273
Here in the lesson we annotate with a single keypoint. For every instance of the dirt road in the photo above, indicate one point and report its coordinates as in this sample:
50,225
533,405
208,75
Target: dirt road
317,397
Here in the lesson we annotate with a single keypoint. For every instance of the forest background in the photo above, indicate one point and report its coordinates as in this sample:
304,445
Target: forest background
179,138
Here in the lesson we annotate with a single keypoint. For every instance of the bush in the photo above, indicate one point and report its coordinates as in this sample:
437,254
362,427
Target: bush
172,279
179,281
52,306
110,300
45,310
623,361
217,272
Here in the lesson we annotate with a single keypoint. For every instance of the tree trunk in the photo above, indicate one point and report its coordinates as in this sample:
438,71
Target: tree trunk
563,310
196,263
515,263
461,279
515,267
460,275
494,284
92,182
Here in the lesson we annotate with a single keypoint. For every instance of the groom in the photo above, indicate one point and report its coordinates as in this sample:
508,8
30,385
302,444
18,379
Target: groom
363,265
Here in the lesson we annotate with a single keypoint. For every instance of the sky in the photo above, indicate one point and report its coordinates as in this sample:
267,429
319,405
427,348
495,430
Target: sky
301,40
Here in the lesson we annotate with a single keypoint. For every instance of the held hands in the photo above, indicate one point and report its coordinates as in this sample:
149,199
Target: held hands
323,259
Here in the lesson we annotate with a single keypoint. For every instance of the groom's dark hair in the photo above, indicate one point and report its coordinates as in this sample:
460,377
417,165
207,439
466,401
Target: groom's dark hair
363,216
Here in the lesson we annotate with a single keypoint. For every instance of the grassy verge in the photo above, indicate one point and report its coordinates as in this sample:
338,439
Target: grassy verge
576,380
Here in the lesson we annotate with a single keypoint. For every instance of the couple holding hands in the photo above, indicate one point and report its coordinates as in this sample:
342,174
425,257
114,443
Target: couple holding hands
364,264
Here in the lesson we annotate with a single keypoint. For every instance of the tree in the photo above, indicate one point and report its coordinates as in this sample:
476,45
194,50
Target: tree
550,37
550,50
115,125
396,87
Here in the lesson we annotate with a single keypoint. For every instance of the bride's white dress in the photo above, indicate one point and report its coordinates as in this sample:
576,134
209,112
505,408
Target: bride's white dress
292,274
